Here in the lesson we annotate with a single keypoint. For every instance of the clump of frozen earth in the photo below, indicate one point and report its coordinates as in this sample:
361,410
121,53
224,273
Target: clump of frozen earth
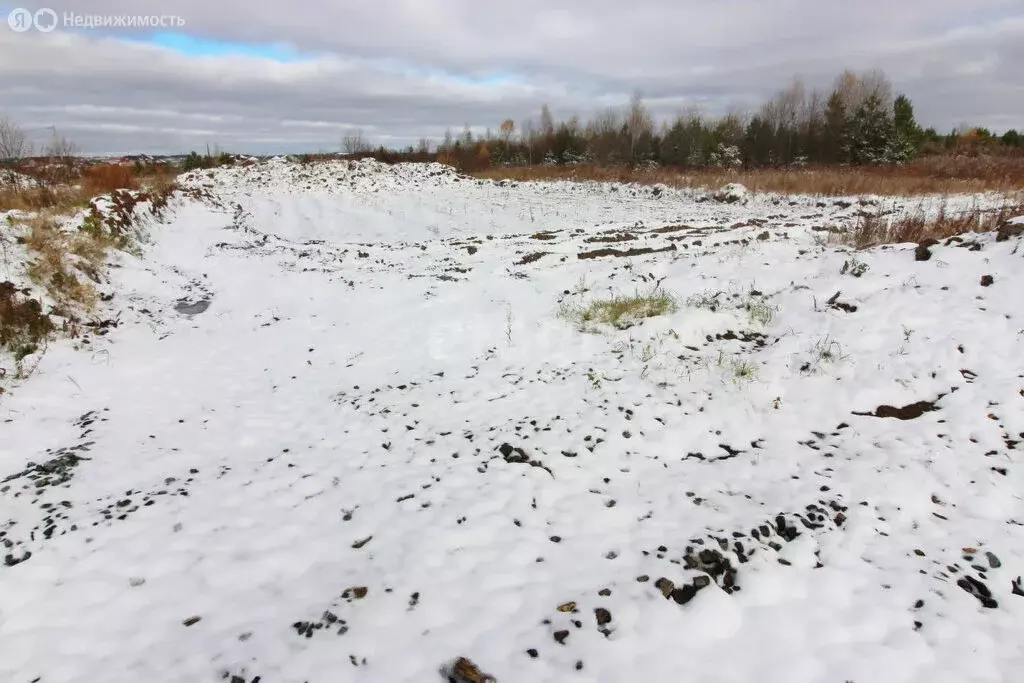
733,193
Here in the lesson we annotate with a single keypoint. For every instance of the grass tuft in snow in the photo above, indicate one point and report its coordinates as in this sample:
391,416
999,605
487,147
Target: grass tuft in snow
743,370
620,311
854,268
706,300
760,311
825,350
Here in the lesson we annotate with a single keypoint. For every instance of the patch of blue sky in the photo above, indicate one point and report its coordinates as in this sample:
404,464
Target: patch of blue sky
194,46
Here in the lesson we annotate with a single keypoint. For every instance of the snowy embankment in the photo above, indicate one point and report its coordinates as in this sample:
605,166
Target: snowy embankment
351,427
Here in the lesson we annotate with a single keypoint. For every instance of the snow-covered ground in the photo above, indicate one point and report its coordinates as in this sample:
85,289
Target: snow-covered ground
343,430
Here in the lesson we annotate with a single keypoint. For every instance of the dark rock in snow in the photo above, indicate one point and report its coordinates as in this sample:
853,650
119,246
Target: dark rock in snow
923,251
978,590
684,595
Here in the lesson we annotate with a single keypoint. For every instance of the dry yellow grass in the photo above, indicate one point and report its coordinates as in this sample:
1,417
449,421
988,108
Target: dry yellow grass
620,311
67,264
933,175
66,198
919,226
61,199
105,178
59,259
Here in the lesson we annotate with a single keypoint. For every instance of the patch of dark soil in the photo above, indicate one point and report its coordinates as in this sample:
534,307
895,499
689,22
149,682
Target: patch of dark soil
670,228
598,253
102,327
838,305
531,258
757,338
515,455
615,237
908,412
543,236
729,450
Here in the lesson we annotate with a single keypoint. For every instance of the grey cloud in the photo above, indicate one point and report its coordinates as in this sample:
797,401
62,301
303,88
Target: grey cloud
400,69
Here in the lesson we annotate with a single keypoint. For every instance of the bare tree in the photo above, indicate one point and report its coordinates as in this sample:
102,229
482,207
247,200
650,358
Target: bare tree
639,122
423,147
60,148
812,111
355,143
448,142
14,145
604,134
61,153
855,89
528,136
783,110
547,122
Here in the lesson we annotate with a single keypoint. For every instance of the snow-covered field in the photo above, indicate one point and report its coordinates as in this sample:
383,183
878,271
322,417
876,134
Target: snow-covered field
345,429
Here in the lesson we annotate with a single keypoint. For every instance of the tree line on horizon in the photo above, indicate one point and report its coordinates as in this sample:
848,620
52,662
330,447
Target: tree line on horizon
859,121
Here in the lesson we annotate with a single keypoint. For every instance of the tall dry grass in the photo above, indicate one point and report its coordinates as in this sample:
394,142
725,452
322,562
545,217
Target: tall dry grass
942,175
61,199
105,178
98,180
919,226
59,258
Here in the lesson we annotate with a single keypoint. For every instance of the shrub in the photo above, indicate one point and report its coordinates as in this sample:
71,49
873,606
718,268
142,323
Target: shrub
105,178
23,325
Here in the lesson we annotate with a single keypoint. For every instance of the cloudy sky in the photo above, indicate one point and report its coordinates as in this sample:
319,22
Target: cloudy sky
267,77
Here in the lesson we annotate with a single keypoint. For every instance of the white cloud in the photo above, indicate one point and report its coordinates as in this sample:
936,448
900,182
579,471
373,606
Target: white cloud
400,69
